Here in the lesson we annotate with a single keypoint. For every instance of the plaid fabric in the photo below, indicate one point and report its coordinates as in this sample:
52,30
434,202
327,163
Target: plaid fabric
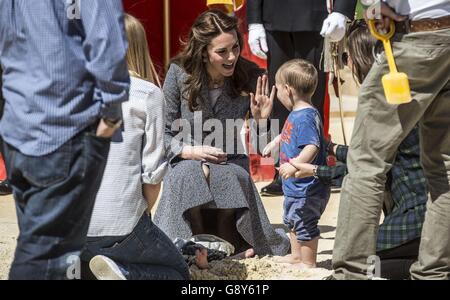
408,191
341,153
409,196
326,174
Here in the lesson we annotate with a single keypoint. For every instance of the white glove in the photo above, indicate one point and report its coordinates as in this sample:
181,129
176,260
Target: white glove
257,40
334,27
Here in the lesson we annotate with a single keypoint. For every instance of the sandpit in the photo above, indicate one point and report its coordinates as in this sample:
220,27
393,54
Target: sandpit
257,268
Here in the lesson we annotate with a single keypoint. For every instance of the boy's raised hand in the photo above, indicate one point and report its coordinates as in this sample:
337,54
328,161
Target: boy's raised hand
261,102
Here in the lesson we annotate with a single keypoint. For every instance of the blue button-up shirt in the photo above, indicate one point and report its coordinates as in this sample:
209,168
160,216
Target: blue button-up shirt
63,67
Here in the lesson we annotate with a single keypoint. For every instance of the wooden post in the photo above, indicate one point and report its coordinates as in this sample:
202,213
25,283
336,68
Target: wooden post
166,34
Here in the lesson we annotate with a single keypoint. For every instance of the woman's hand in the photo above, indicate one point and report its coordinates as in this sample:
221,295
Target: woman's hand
204,153
304,170
261,102
287,170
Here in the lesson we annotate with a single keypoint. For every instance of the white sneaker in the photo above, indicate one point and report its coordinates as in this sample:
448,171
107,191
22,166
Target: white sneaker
105,268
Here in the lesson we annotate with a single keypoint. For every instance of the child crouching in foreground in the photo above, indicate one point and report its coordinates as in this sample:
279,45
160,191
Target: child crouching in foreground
301,142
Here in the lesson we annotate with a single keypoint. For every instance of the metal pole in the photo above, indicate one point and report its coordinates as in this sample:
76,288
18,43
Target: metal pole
335,53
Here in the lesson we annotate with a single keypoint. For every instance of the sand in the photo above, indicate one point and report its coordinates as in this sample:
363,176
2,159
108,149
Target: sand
256,268
8,234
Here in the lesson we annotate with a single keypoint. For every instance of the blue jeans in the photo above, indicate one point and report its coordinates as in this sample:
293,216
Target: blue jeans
55,196
145,254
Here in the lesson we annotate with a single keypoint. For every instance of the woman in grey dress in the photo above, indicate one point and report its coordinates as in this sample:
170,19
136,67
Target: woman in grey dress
208,188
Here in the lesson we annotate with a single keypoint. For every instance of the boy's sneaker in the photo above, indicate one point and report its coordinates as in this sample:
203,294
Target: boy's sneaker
105,268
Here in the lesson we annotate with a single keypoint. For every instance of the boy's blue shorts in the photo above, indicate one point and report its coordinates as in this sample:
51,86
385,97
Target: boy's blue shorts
302,215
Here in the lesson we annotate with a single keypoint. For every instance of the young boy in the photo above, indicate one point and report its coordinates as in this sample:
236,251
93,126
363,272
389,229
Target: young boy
301,142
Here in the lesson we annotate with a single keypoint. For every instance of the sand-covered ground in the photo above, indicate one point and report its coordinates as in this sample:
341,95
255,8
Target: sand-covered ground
258,268
8,234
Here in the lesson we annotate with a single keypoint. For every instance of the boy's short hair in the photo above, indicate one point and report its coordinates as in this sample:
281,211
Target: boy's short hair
299,74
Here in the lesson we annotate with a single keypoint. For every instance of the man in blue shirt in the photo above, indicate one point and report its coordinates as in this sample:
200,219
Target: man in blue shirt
64,79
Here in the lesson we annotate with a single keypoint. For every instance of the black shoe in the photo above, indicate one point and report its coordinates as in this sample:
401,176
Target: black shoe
335,188
5,188
275,188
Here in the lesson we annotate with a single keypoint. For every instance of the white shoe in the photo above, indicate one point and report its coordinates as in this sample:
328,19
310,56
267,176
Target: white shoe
105,268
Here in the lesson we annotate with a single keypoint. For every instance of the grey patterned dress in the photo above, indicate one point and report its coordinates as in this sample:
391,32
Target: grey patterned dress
230,185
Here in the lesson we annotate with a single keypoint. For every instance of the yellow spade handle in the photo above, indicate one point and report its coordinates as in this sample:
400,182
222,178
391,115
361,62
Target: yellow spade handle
385,38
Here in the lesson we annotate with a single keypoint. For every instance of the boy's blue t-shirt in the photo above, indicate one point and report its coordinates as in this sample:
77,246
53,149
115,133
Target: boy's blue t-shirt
303,127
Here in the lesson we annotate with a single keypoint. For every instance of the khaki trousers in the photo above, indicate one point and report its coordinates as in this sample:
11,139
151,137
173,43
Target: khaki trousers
379,129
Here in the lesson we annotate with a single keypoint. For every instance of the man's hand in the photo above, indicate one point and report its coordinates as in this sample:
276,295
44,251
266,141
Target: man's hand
204,153
261,103
257,40
334,27
287,170
104,130
387,14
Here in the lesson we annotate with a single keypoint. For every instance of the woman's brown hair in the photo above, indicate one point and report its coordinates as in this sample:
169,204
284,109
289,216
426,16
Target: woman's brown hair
361,47
138,55
208,26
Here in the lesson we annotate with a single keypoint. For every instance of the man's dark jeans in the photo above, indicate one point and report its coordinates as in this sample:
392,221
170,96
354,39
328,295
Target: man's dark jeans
146,253
55,196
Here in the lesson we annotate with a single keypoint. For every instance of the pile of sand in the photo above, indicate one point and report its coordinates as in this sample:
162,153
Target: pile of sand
7,247
256,269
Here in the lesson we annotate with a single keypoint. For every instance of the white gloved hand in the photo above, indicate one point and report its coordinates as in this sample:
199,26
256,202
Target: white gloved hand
334,27
257,40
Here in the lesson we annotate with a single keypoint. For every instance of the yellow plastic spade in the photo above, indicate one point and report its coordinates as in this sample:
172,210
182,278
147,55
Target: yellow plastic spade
395,84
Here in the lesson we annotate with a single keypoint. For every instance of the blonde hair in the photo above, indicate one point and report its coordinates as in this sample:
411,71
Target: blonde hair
138,55
300,75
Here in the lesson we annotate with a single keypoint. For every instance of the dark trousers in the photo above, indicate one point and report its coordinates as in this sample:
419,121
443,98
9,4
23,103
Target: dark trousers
284,46
55,197
396,262
145,254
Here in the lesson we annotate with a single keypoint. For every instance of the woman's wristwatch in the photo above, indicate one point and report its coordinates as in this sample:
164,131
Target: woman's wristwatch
315,172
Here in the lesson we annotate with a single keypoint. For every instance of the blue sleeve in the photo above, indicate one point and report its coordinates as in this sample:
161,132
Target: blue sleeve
307,133
105,47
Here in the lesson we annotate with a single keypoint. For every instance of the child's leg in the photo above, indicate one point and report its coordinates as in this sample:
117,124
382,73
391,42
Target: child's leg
309,252
290,218
296,252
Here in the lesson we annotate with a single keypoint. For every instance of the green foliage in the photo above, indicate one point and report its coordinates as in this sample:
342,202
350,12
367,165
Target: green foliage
359,10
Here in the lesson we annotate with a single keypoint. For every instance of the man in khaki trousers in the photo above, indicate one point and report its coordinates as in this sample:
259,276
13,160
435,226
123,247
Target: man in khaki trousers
422,51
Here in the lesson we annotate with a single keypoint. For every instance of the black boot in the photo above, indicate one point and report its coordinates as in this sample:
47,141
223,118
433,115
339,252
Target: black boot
275,188
5,188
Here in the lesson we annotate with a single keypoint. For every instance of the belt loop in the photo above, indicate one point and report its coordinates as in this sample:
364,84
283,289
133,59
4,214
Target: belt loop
408,26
